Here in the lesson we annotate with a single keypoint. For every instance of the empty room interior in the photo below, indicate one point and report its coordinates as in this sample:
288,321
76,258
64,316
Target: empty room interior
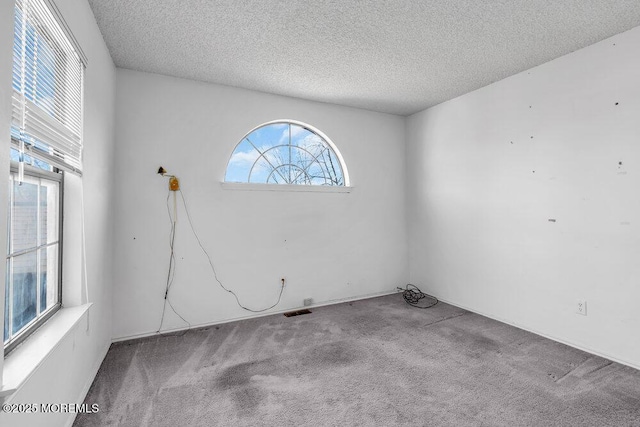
320,212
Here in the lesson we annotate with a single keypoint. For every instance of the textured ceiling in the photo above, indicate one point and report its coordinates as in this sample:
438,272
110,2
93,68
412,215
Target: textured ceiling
397,56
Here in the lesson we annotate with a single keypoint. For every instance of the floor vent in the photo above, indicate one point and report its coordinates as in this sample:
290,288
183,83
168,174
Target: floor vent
297,313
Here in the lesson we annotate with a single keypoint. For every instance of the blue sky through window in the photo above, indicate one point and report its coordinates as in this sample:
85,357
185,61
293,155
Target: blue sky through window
39,80
39,63
284,153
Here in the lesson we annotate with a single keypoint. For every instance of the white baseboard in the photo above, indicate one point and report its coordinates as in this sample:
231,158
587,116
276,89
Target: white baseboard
87,385
551,337
253,316
378,294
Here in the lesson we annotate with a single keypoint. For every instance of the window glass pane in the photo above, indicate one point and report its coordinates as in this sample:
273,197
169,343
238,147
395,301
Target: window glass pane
317,175
241,162
48,277
278,165
7,284
9,214
25,297
267,136
30,160
303,137
32,286
24,215
261,171
49,211
17,51
333,167
285,153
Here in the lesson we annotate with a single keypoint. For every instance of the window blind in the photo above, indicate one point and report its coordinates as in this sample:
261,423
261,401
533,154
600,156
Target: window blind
48,74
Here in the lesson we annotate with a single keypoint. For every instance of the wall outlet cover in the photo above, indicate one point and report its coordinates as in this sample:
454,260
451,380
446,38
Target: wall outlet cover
307,302
581,307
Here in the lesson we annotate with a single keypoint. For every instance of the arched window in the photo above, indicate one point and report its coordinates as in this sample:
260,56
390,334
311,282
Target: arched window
287,152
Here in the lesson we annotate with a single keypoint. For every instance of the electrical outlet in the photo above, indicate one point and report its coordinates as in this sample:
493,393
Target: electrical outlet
307,302
581,307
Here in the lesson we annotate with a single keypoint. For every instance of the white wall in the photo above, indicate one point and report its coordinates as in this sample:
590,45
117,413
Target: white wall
64,377
327,246
488,170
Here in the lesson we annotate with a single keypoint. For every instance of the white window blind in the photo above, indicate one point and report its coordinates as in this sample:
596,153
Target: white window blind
48,74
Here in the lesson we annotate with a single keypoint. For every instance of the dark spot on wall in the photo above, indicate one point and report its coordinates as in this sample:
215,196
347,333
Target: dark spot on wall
552,220
531,136
529,106
134,238
534,171
617,103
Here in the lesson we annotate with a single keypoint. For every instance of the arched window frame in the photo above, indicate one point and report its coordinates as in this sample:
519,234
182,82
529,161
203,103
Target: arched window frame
295,187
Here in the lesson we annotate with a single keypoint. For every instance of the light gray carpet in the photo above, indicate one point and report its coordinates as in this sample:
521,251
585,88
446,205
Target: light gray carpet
375,362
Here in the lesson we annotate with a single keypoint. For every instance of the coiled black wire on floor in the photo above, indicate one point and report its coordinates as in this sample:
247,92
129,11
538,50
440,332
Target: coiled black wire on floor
413,295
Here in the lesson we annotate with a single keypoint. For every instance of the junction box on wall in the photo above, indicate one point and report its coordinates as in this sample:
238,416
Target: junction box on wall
174,184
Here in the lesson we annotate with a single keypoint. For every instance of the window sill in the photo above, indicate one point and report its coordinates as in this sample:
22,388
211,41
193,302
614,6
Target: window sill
285,187
25,359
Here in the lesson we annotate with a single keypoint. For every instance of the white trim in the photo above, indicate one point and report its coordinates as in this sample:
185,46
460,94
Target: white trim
285,187
67,30
552,338
85,390
254,316
25,359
